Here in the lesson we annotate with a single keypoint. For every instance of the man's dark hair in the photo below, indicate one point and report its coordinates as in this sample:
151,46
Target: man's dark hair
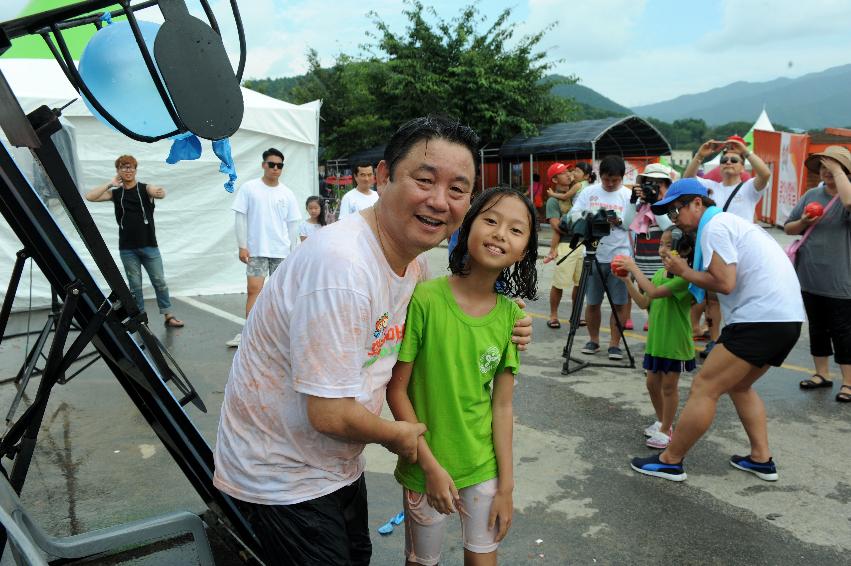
272,151
612,165
428,128
362,165
520,280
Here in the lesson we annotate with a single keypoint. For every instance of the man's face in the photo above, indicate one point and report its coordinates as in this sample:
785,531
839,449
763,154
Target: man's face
273,167
611,183
688,213
364,177
428,196
732,163
563,180
127,172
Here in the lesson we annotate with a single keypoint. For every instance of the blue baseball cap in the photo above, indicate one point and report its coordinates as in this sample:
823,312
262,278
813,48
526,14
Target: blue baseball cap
681,188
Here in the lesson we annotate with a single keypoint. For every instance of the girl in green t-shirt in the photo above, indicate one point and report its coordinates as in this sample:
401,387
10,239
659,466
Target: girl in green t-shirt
670,346
455,374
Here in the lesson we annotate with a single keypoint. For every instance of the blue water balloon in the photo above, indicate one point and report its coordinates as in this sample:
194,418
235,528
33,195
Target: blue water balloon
113,68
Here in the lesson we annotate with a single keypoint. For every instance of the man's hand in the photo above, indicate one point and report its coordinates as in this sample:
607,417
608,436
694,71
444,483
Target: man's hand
441,493
244,256
501,510
737,146
522,332
674,263
404,442
710,147
116,181
551,256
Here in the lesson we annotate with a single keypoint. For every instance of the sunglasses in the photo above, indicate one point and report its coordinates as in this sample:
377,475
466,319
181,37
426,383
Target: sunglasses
730,160
674,212
274,165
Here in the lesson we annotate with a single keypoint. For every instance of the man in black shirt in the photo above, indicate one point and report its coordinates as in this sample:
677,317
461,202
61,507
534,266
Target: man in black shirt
137,238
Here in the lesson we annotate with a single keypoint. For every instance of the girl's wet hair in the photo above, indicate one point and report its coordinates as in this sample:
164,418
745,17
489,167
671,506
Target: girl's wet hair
591,177
519,280
321,218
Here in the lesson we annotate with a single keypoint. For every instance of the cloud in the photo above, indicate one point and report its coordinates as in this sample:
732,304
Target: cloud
776,21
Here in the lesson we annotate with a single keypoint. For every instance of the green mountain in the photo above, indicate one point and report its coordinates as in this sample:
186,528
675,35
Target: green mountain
812,101
588,98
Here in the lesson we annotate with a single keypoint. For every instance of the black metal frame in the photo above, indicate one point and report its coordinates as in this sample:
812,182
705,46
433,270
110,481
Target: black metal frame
590,262
113,323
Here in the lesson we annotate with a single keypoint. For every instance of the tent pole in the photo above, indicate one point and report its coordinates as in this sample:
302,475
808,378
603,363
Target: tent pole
531,180
482,156
593,153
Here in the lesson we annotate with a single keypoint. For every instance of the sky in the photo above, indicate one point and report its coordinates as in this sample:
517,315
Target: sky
632,51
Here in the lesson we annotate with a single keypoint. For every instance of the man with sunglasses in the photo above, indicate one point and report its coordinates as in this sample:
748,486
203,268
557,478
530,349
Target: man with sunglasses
733,195
267,219
763,310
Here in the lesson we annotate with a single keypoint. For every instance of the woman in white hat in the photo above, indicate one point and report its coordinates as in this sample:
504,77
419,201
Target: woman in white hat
823,265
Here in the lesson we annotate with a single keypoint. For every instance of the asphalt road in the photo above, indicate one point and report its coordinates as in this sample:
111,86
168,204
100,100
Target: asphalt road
576,499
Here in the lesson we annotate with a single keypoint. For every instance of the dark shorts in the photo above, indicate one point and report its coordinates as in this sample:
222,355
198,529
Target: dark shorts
656,364
830,323
331,530
761,343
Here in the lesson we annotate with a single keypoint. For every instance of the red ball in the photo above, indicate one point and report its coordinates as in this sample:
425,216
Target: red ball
814,210
616,266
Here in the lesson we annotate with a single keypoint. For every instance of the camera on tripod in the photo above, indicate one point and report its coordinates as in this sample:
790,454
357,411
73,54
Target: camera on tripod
590,227
649,190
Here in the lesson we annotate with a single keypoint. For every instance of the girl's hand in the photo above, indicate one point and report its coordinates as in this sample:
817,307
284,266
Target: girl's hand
500,516
551,256
626,262
550,193
440,491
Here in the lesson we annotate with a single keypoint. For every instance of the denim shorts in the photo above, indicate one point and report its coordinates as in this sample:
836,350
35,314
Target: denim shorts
262,266
594,290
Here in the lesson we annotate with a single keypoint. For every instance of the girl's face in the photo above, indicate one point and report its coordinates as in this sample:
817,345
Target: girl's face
499,234
665,243
313,209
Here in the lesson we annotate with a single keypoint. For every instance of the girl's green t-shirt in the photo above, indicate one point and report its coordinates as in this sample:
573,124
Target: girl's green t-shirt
455,358
670,323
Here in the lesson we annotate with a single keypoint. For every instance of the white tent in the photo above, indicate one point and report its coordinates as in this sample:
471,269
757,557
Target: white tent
762,123
194,222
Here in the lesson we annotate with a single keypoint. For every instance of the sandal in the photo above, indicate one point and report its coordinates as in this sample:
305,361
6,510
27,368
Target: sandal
173,322
844,397
811,383
553,324
582,322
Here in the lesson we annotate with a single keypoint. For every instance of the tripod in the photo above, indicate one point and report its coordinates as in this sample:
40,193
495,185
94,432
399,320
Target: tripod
589,262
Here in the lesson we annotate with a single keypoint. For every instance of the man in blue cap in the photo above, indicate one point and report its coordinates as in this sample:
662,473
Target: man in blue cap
762,307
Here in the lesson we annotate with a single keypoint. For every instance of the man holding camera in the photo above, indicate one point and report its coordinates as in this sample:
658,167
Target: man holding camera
610,197
733,195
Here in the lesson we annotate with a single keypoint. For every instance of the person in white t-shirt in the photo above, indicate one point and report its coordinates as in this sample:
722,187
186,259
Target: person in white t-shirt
733,195
362,196
611,195
267,220
307,385
763,310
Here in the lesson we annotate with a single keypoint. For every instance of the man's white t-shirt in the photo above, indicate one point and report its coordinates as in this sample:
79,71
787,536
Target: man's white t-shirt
742,205
767,288
355,201
594,197
268,210
328,323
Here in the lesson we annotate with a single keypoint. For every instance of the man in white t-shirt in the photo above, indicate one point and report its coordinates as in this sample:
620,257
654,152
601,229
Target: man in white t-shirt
362,196
307,384
267,219
733,195
763,310
610,195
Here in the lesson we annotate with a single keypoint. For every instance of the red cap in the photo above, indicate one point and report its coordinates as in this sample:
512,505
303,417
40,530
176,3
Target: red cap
739,139
555,169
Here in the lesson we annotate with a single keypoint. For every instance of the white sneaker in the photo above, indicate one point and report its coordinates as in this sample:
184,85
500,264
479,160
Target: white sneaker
653,429
658,440
234,342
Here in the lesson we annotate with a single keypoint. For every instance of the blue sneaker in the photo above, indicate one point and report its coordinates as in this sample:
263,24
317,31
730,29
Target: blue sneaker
653,466
706,349
591,348
763,470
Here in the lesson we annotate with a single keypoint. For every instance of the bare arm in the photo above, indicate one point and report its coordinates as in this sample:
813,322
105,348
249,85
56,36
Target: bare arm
346,419
553,253
101,193
704,151
760,169
639,298
155,192
843,184
795,227
720,277
503,432
292,229
241,228
559,196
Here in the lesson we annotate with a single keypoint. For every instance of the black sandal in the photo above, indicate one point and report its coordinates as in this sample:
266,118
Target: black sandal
553,324
844,397
811,383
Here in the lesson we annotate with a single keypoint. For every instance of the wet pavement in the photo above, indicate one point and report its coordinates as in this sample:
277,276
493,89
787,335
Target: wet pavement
576,500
